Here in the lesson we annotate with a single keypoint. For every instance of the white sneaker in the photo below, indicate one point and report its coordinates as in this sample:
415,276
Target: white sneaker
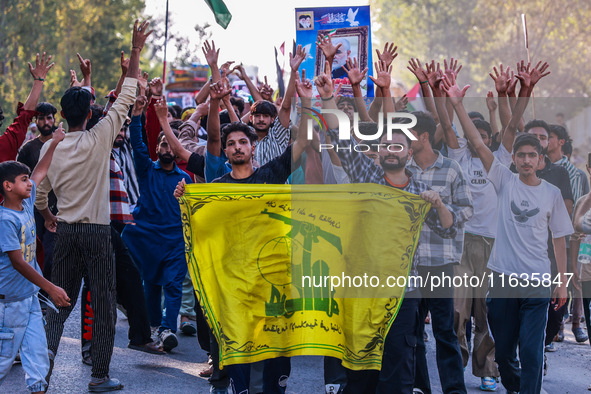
169,340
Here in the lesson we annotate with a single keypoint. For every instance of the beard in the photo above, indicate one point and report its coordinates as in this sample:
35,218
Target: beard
389,166
238,161
118,143
47,130
165,158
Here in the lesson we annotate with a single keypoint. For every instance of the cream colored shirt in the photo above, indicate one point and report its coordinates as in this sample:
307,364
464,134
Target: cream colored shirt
79,170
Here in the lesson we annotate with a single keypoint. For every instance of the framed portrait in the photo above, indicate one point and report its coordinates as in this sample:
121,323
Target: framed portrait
305,20
355,44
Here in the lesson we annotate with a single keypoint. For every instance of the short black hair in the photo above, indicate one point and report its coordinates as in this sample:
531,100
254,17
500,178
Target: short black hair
239,102
536,123
46,108
238,126
97,114
425,124
75,105
527,139
475,115
483,125
162,135
9,170
178,110
560,132
263,107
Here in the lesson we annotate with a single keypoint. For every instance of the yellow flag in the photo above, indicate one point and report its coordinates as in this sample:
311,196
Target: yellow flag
287,270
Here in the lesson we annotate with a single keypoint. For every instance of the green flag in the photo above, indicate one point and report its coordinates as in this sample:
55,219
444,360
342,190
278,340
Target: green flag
222,15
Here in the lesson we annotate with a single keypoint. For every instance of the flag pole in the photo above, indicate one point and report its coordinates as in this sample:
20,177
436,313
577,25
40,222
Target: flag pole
165,42
526,40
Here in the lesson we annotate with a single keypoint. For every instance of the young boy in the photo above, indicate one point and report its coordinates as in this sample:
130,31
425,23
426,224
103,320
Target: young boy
21,325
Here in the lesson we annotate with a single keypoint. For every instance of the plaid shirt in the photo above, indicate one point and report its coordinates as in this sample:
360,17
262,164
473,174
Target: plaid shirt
118,195
576,183
362,169
273,144
445,176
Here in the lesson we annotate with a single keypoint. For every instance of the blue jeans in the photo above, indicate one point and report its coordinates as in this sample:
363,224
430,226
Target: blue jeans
173,293
21,327
448,355
513,322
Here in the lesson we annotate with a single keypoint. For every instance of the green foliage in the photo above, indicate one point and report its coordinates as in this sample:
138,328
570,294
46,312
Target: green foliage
99,30
484,33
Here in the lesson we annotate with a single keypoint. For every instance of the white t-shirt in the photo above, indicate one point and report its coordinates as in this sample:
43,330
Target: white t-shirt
484,198
524,215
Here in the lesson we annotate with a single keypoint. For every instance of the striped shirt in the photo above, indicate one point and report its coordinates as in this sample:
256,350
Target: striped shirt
120,211
576,183
445,176
273,144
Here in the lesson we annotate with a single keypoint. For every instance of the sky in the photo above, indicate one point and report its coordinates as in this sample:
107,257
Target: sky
256,27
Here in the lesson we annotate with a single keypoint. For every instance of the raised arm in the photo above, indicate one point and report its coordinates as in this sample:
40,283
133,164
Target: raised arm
40,171
383,80
161,109
254,92
502,80
295,61
216,92
456,96
39,72
304,90
435,76
356,76
491,104
414,65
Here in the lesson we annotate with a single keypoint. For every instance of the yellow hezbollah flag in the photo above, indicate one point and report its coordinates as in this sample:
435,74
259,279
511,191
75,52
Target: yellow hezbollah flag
287,270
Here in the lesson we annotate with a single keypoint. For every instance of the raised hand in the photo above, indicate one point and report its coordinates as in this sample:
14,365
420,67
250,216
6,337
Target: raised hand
452,69
523,74
491,104
225,68
297,59
141,102
211,54
304,86
59,134
142,81
539,72
389,53
324,82
124,63
156,87
239,70
353,72
39,72
435,75
202,109
74,79
266,91
512,84
415,67
140,34
85,66
501,79
328,49
383,75
453,91
219,90
401,104
161,108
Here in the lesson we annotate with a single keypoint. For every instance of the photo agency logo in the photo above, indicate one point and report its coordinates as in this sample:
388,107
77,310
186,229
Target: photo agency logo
394,121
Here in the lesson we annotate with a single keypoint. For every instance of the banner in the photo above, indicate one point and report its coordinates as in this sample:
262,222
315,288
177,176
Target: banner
349,26
265,259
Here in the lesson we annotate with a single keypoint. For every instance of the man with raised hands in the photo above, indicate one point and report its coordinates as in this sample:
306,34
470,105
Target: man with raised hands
519,287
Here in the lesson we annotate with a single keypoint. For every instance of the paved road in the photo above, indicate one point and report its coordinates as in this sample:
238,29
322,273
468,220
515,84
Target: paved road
570,368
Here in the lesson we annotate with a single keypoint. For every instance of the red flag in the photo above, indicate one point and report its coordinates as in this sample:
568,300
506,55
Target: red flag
282,48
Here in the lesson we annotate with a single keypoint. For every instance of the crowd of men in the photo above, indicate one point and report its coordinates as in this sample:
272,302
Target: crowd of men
504,197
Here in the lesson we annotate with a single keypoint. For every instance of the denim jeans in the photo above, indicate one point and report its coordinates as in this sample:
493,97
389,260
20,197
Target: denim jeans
21,327
518,322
